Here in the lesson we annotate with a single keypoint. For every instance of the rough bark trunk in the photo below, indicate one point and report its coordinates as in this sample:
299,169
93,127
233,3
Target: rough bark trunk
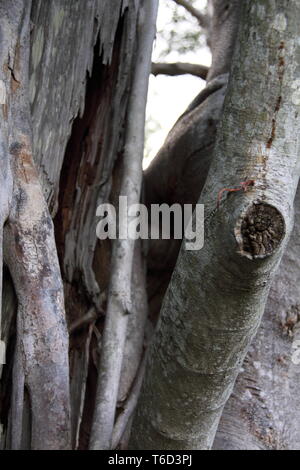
41,364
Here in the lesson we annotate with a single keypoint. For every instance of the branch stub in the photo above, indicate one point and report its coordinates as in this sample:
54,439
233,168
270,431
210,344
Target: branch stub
261,230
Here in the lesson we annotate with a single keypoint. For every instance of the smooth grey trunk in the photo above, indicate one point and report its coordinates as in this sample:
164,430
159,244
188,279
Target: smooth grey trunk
263,411
217,296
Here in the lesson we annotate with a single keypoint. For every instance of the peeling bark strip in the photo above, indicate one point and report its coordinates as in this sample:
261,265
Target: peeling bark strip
41,355
119,295
216,297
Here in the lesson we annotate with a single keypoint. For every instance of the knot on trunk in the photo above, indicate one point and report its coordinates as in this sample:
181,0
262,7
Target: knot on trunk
261,231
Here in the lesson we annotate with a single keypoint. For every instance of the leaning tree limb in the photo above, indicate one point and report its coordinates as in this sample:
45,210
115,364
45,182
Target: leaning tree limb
119,296
41,354
179,68
179,171
216,297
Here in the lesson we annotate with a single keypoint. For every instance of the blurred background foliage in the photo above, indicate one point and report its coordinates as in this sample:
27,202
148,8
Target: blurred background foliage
179,39
178,31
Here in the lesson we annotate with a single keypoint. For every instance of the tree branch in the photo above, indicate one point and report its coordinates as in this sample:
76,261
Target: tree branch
179,68
119,297
86,319
203,20
78,413
133,349
129,407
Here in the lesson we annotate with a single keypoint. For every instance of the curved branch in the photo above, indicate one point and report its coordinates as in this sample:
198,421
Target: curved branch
203,20
179,68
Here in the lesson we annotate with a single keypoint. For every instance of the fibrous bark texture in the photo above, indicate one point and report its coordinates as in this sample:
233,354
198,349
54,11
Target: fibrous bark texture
41,366
216,297
82,55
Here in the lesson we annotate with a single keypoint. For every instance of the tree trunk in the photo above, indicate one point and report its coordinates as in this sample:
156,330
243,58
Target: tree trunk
67,90
263,410
216,297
